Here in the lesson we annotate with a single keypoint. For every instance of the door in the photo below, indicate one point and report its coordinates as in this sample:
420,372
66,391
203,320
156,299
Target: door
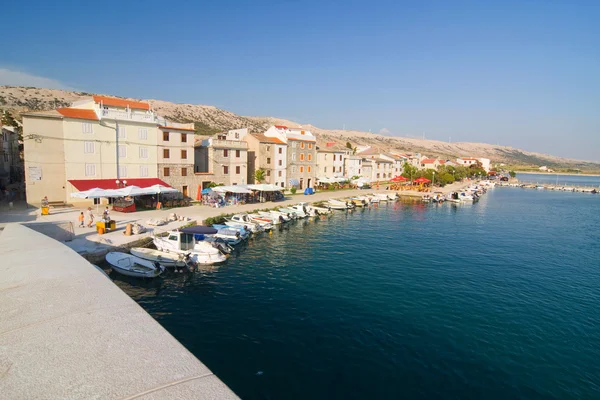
308,183
301,183
184,190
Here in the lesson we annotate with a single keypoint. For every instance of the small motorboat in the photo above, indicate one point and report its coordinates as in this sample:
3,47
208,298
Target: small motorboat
276,216
231,235
130,265
246,219
168,260
321,210
184,241
244,234
339,205
289,212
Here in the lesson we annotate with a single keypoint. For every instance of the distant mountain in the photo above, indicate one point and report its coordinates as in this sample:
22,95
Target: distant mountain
210,120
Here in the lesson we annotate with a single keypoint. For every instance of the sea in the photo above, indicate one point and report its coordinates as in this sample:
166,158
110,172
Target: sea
561,179
499,299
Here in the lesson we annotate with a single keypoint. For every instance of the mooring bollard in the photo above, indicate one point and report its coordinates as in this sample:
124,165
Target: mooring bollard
128,230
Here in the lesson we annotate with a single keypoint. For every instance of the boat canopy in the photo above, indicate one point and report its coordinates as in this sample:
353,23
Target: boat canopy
200,230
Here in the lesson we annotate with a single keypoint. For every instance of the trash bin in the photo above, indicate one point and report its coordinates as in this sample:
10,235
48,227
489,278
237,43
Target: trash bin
45,210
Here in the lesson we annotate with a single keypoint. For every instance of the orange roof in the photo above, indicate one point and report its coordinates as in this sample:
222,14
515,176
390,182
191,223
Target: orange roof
428,161
78,113
302,140
113,101
177,129
281,127
267,139
468,159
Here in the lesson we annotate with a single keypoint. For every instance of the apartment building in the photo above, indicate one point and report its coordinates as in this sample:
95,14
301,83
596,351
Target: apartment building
431,163
301,154
468,161
176,156
270,155
224,157
11,163
93,143
353,167
330,162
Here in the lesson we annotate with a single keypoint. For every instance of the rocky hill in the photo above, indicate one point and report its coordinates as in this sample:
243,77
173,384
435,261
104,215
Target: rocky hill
209,120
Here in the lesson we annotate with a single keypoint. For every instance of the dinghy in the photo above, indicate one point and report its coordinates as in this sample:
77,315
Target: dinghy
168,260
129,265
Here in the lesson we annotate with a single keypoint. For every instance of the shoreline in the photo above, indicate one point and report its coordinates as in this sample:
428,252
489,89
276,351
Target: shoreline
554,173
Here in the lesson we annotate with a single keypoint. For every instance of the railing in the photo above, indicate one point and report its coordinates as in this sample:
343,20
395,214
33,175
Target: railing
129,116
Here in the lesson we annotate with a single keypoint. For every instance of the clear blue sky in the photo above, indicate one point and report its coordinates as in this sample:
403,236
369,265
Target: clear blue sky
519,73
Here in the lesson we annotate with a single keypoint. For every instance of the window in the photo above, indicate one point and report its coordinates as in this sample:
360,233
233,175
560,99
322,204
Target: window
90,169
268,172
87,127
308,169
293,169
165,136
294,144
341,158
268,161
309,157
237,170
268,148
279,174
143,171
325,169
280,163
301,169
88,147
280,150
225,169
301,156
225,153
237,154
310,145
122,131
302,145
184,154
302,132
142,133
122,151
143,152
340,170
166,153
183,171
166,171
334,157
184,138
237,135
378,175
122,171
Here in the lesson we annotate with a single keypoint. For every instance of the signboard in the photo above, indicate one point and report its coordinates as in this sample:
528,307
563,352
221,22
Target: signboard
35,173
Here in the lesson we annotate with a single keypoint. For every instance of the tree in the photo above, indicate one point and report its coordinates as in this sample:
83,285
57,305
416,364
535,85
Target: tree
259,175
512,174
348,145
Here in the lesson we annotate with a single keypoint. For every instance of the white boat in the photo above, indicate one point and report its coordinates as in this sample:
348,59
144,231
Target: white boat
465,197
129,265
183,241
168,260
290,212
250,226
392,196
339,205
321,210
275,216
310,210
230,235
244,234
246,219
301,211
381,196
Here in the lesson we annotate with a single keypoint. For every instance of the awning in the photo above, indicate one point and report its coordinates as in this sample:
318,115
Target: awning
86,184
231,189
264,187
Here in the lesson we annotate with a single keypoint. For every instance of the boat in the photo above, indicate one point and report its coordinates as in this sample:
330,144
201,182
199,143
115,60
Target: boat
301,211
321,210
465,197
230,235
381,196
339,205
130,265
184,241
249,226
307,209
453,197
246,219
276,216
168,260
392,196
290,212
244,234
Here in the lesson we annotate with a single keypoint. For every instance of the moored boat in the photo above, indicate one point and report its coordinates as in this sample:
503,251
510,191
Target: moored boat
130,265
168,260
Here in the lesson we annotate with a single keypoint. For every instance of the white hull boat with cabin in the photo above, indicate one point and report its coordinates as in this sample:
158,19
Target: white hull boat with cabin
136,267
184,242
168,260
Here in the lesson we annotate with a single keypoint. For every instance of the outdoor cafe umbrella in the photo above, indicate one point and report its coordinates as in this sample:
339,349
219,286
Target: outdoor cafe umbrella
422,180
399,178
94,193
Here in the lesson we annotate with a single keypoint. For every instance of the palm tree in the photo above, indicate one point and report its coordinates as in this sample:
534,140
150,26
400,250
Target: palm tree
259,175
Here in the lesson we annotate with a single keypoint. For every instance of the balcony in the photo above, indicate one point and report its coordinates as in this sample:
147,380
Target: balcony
228,144
124,115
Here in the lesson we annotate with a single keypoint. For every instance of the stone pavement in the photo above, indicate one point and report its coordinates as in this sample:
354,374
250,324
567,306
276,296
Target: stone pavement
68,332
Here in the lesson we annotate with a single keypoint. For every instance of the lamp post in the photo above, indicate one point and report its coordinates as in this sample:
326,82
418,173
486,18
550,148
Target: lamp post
432,179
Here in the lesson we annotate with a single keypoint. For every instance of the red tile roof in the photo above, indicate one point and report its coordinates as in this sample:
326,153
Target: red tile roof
177,129
78,113
281,127
428,161
267,139
86,184
114,102
303,140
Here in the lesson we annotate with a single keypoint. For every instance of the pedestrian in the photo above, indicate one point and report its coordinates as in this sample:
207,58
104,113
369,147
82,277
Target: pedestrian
91,217
106,216
81,218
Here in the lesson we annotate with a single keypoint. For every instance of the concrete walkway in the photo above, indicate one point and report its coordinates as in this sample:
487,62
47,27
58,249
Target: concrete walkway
67,332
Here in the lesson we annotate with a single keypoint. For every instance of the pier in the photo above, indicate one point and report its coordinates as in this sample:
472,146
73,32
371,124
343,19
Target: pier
68,332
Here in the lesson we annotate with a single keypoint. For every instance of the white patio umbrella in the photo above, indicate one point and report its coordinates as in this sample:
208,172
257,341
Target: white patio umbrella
94,193
129,191
158,189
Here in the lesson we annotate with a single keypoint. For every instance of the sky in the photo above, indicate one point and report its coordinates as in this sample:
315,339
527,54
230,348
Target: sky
518,73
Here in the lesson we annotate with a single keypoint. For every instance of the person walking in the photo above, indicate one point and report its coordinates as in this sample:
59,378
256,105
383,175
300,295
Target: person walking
81,218
91,217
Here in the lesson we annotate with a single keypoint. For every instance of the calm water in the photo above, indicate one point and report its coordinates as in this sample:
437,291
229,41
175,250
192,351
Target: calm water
553,179
499,299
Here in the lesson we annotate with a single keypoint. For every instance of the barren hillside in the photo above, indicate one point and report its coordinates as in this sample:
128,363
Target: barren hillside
209,119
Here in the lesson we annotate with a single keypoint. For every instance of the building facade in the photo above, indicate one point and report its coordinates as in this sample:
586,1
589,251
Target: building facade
223,157
301,155
175,143
330,162
98,138
11,162
353,167
270,155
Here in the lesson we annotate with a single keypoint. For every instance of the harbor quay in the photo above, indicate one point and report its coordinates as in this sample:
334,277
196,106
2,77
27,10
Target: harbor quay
93,246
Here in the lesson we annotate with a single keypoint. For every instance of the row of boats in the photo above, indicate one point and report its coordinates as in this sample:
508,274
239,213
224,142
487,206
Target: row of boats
560,188
190,247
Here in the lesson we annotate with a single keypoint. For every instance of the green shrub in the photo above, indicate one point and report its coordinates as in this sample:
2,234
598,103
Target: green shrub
293,190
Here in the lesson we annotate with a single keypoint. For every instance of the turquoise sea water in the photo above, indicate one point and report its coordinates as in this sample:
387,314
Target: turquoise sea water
495,300
558,179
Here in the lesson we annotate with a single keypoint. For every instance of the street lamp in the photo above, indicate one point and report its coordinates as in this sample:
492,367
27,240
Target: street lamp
433,179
